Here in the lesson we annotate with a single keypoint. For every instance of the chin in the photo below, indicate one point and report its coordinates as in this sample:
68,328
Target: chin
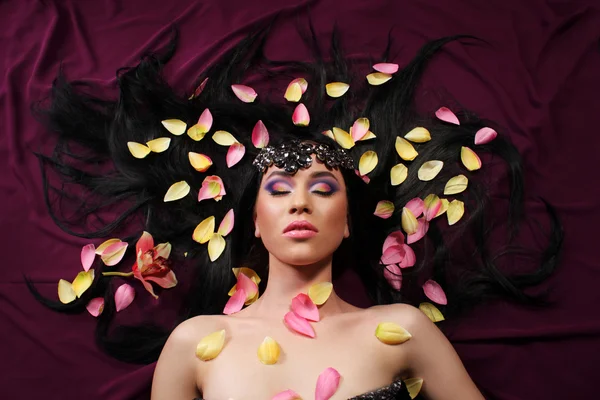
302,257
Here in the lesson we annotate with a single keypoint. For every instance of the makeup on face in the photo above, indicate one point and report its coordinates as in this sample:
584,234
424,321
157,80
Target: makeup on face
322,183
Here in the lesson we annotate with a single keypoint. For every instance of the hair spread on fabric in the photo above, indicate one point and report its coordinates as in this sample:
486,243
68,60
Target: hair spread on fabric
104,192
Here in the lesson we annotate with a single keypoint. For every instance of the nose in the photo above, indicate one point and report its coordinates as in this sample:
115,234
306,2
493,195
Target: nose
300,203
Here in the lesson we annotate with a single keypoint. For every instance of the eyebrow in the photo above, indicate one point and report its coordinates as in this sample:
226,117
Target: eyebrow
317,174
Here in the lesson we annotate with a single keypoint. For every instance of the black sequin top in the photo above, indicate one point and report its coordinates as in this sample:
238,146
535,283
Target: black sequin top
395,391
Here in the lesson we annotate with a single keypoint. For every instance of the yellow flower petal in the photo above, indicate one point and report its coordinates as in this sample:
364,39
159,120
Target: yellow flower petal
429,170
368,162
293,92
175,126
329,133
224,138
391,333
138,150
405,150
431,311
199,161
216,245
268,351
204,230
378,78
470,159
197,132
343,138
177,191
251,299
409,221
66,294
456,210
336,89
456,185
113,256
398,174
413,385
159,145
100,249
418,135
445,205
82,282
320,292
211,345
249,272
369,135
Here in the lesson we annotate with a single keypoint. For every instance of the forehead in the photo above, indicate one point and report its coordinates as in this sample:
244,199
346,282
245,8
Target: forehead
316,166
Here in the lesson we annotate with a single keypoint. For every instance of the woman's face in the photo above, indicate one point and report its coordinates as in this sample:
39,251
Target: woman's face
315,196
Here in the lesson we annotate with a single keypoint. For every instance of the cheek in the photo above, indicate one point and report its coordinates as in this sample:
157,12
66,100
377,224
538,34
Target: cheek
336,214
268,214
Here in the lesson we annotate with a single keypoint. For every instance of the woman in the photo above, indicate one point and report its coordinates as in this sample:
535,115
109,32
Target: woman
269,170
299,258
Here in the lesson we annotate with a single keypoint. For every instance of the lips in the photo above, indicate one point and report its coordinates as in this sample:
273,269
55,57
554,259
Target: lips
300,226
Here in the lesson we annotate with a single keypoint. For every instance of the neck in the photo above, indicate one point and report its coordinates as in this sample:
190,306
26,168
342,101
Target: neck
287,281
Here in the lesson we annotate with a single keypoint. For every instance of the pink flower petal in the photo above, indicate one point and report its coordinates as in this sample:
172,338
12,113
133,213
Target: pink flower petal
145,243
327,384
434,292
95,306
114,253
395,238
416,205
235,154
444,114
302,82
244,93
208,191
386,68
365,178
235,302
359,129
205,121
124,296
422,229
485,135
409,259
260,135
216,179
304,307
393,255
384,209
88,253
298,324
226,225
247,285
301,116
287,395
393,274
199,89
167,281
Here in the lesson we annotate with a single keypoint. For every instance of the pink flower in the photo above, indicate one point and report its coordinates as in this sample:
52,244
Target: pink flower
152,264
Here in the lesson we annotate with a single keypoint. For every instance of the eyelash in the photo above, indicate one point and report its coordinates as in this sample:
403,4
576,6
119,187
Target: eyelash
318,192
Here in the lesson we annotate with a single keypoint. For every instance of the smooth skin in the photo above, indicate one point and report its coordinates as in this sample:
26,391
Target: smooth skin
345,336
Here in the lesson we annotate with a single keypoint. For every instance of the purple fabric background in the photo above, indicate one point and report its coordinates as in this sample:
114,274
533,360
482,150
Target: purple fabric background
540,80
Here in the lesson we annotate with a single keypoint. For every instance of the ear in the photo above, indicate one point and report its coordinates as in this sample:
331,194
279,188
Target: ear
346,231
256,229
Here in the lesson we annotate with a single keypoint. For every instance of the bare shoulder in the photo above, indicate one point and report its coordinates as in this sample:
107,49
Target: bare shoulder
176,372
404,315
430,355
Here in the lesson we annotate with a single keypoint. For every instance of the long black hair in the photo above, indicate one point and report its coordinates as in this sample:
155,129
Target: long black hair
104,192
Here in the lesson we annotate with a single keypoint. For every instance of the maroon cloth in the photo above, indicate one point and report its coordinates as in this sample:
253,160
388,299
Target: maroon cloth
539,77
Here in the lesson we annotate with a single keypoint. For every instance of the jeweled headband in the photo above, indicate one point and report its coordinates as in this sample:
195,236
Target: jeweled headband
295,154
